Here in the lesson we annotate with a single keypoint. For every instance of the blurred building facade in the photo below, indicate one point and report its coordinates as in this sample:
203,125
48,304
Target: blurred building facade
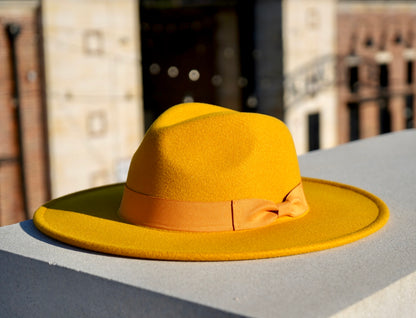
377,50
304,61
349,69
71,98
309,41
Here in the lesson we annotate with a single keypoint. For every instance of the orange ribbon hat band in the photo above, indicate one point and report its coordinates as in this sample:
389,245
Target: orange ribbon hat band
141,209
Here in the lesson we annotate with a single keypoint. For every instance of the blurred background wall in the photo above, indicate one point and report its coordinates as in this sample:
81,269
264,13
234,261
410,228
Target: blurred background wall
81,81
24,168
93,89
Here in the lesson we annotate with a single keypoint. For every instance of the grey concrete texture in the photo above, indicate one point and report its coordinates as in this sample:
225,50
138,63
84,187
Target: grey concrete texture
373,277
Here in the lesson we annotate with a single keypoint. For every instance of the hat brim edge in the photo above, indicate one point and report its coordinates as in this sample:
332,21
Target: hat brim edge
42,220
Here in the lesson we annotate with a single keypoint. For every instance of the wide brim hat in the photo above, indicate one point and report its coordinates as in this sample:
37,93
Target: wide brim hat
211,184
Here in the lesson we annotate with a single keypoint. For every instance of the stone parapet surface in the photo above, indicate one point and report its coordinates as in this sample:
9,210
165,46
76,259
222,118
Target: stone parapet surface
374,276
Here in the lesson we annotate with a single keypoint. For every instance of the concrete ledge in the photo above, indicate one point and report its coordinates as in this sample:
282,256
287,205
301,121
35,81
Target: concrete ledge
375,276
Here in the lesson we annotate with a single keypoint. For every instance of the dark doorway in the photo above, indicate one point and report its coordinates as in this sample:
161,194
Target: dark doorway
190,53
384,76
409,97
313,129
354,121
353,79
409,73
385,116
409,110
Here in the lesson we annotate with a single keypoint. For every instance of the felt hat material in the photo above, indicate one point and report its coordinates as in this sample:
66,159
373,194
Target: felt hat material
209,183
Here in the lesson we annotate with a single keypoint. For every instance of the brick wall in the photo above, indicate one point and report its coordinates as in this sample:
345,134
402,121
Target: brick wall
32,117
372,34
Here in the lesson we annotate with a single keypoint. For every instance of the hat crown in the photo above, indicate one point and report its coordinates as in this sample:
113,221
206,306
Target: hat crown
205,153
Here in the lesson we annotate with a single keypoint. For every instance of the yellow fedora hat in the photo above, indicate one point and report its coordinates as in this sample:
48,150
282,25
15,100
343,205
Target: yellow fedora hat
208,183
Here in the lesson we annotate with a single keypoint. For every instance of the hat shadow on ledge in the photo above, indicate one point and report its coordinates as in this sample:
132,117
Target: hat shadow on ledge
30,229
